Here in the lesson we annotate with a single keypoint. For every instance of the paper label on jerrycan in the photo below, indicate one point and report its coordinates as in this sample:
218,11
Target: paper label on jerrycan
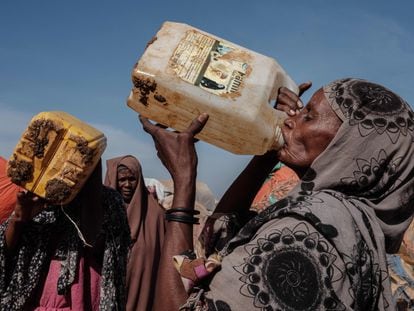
215,66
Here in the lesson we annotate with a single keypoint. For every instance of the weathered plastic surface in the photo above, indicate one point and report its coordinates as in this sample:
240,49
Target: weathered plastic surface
55,156
185,71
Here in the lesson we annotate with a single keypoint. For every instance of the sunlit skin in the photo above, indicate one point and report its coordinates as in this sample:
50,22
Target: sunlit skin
126,185
308,133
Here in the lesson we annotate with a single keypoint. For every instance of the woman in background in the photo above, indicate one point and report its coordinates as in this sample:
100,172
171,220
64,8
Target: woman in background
146,222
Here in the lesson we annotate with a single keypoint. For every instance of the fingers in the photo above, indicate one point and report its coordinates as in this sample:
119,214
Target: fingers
197,124
194,128
147,125
161,126
304,87
288,101
29,204
26,196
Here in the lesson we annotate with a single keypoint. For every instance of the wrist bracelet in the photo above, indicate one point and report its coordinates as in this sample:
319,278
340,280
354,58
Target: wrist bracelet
182,218
182,209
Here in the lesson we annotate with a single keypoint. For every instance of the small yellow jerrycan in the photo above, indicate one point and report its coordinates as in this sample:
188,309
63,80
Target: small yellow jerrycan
55,156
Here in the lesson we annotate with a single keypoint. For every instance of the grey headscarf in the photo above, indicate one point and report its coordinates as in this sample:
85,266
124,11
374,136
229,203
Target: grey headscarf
356,193
375,148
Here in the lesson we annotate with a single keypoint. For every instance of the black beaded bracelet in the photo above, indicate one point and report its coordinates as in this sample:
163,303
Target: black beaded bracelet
183,210
182,218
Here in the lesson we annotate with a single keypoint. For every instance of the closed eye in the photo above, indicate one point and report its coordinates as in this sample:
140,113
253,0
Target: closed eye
307,117
307,114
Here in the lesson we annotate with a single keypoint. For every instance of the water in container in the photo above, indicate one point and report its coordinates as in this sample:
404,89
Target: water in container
185,71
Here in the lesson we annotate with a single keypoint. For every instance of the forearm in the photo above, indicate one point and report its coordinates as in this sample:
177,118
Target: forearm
177,153
170,291
27,206
240,195
13,233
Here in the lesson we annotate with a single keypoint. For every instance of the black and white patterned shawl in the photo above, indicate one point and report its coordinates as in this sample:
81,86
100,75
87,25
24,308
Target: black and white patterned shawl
358,195
20,278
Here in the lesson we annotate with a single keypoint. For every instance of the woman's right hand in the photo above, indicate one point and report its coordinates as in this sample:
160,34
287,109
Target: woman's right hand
28,205
176,149
289,102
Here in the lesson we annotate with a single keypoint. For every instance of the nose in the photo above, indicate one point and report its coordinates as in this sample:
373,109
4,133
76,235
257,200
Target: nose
289,122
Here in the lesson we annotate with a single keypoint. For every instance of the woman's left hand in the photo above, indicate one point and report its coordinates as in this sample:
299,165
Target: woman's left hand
176,149
289,102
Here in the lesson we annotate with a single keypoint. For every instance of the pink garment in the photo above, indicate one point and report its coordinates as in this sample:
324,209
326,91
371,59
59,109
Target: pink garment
83,294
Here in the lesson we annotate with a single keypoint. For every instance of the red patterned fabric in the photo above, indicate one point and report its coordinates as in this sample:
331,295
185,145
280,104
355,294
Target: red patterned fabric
8,192
278,185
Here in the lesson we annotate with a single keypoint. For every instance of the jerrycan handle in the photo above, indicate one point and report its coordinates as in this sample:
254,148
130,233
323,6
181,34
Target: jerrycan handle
282,79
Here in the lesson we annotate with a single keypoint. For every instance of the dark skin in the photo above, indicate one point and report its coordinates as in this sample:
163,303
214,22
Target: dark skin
177,152
307,133
126,184
28,205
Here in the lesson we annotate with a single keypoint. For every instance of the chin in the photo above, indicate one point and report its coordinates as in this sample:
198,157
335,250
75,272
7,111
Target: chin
283,156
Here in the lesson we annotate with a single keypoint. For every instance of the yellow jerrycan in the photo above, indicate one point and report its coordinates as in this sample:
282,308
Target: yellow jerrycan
55,156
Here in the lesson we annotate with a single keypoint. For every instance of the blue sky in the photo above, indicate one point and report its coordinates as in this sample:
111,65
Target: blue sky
77,56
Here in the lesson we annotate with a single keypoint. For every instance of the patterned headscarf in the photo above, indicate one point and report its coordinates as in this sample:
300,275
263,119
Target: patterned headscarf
375,149
356,193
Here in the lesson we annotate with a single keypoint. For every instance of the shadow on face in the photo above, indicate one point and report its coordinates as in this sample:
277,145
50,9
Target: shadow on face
126,183
308,133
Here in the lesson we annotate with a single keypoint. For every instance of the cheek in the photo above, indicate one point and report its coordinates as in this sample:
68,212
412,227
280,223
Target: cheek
306,147
296,155
317,143
121,185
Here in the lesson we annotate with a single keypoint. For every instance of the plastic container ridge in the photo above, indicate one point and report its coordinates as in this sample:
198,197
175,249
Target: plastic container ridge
185,71
55,156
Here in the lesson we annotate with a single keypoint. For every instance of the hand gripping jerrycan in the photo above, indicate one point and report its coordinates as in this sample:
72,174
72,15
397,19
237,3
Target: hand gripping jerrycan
55,156
185,71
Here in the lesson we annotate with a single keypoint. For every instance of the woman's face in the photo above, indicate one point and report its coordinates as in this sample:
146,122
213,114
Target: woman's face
308,133
127,183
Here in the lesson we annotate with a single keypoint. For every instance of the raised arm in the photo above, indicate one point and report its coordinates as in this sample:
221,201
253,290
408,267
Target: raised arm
27,206
240,195
177,153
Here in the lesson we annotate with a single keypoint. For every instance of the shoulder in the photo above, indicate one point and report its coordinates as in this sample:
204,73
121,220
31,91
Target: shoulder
113,204
111,196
